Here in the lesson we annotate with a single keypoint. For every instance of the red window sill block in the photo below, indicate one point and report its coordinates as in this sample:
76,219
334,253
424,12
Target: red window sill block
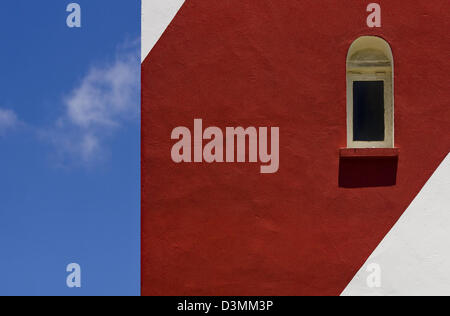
368,152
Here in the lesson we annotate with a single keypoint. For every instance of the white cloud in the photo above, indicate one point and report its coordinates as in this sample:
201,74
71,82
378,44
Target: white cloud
104,95
8,119
105,99
88,146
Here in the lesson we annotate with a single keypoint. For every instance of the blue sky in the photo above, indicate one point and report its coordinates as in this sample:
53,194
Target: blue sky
69,147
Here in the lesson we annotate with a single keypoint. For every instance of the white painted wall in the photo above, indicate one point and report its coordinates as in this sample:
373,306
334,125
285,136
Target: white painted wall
414,257
156,16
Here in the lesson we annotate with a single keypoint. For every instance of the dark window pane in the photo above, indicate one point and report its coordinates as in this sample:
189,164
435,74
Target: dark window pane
368,111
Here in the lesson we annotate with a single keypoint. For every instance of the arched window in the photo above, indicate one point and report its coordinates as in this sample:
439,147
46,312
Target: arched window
370,100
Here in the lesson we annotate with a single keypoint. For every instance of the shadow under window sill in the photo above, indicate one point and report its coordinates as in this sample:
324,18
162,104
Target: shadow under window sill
368,167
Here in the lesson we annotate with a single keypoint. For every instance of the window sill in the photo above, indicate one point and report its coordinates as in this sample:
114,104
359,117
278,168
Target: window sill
368,152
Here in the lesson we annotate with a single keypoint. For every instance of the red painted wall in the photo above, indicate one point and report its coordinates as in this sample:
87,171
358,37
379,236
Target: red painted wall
226,229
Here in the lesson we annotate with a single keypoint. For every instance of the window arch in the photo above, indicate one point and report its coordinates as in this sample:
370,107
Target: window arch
370,94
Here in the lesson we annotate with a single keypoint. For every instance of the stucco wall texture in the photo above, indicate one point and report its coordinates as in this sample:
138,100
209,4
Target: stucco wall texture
226,229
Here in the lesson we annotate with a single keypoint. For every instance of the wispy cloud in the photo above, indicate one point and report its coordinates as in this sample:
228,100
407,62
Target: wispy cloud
8,120
103,101
104,95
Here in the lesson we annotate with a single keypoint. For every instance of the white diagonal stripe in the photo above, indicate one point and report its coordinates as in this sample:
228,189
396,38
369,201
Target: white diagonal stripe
414,257
156,16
